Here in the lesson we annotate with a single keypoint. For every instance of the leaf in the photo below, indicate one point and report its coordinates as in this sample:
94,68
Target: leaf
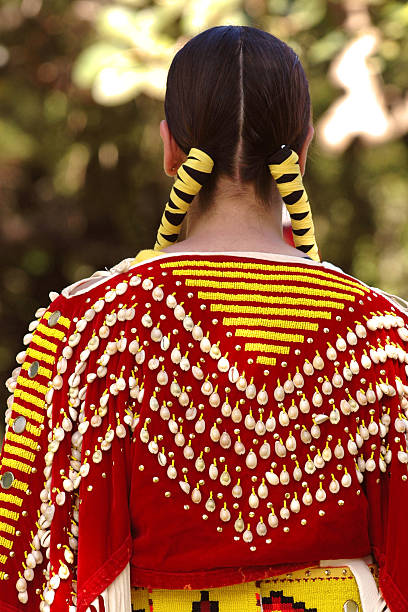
93,59
15,143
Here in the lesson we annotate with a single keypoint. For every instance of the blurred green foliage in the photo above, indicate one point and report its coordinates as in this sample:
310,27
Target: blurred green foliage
81,182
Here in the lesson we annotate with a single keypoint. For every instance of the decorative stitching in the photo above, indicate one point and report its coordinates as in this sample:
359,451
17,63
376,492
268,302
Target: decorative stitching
31,352
50,331
61,321
41,370
268,335
264,310
270,323
192,282
243,265
269,299
28,397
11,499
267,348
13,516
19,452
32,384
300,278
12,437
266,360
28,412
17,465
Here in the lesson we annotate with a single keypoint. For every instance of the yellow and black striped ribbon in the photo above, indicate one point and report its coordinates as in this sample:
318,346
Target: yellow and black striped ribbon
285,169
191,176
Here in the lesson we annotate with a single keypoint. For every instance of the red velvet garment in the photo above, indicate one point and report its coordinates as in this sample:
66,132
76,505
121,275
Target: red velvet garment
213,419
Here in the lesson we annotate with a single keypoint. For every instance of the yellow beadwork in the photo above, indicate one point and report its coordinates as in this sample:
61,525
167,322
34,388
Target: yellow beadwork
296,278
32,384
6,543
11,499
6,528
244,265
51,331
42,371
61,321
13,516
19,452
17,465
21,486
32,399
12,437
32,352
192,282
267,348
264,310
271,361
27,412
320,589
268,335
268,299
32,429
235,321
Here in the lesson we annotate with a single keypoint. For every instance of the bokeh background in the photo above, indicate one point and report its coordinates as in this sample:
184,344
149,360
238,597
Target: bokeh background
81,97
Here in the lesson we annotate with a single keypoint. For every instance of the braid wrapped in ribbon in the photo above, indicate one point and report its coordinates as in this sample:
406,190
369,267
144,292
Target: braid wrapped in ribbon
191,176
285,169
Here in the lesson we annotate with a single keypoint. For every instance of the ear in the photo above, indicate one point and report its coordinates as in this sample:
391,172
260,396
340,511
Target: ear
304,149
173,155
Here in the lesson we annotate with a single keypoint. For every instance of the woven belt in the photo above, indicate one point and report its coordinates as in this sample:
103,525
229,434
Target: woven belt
315,589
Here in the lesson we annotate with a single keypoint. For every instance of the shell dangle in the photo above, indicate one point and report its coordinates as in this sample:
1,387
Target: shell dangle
191,176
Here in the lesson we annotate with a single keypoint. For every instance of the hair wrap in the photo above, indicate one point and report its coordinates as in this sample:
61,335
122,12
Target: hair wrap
191,176
285,169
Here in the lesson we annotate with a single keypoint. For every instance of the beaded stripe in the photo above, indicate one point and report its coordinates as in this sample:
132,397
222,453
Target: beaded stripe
296,278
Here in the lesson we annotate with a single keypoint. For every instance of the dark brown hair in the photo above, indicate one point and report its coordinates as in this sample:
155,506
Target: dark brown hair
238,93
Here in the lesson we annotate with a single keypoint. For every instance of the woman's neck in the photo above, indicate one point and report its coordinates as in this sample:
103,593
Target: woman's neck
235,221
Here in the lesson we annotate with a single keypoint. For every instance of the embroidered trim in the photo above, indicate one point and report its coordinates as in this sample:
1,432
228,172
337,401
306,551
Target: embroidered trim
6,543
7,528
17,465
300,278
268,299
61,321
12,437
267,348
268,335
19,452
32,384
13,516
32,429
242,265
41,370
270,323
290,312
266,360
27,412
191,282
11,499
50,331
21,486
31,352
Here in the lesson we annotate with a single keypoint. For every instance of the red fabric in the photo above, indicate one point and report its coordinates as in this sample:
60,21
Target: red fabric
125,515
